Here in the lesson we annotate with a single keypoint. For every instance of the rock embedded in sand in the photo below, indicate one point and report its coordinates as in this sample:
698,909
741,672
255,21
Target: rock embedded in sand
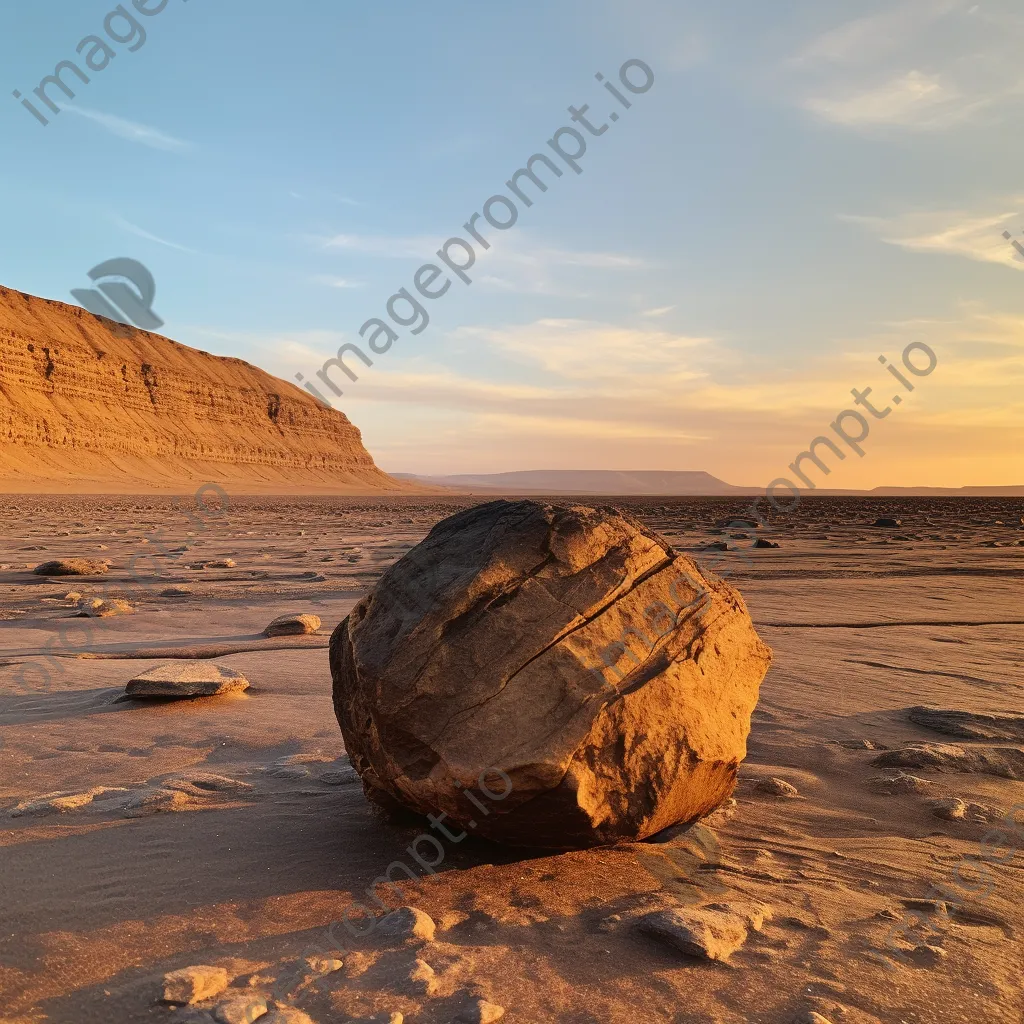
188,679
177,592
969,724
889,523
293,625
243,1009
194,984
422,979
407,924
72,567
762,543
586,683
97,608
480,1011
772,786
282,1014
1003,762
712,932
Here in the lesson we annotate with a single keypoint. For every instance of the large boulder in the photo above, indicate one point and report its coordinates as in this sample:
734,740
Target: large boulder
584,682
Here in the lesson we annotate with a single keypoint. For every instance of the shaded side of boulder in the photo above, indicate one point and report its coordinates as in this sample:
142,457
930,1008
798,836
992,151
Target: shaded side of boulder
564,660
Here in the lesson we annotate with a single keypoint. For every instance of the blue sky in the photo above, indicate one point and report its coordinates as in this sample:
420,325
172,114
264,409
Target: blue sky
806,186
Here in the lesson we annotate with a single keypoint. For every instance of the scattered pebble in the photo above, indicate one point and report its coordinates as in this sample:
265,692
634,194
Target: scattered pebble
96,608
194,984
408,925
293,625
422,978
242,1009
480,1011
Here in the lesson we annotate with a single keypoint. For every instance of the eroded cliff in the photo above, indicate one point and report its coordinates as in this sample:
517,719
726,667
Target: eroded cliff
88,404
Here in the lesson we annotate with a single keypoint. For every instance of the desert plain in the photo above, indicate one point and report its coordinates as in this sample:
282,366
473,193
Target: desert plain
143,837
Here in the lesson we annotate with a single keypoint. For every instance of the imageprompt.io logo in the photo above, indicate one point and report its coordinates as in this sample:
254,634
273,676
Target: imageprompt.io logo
119,301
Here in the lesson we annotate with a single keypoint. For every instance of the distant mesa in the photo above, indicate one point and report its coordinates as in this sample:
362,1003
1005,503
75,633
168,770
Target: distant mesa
91,405
586,481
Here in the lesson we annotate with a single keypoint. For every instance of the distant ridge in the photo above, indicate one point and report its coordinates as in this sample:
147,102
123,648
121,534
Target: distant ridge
665,483
588,481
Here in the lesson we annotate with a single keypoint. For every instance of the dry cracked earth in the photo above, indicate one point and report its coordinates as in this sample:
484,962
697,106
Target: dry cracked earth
859,875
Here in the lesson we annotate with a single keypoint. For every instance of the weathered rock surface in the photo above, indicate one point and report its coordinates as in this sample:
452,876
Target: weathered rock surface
194,984
293,625
72,567
1005,762
187,679
563,659
713,932
969,725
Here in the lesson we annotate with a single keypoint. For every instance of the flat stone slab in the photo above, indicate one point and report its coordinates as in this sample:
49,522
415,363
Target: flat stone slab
191,679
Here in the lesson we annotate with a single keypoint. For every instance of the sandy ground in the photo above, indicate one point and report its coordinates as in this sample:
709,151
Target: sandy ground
103,893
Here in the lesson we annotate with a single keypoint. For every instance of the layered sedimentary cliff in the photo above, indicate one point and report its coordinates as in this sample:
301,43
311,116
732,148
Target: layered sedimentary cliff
88,404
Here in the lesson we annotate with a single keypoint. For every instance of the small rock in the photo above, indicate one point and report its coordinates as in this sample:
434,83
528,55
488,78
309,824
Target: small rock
928,954
219,563
96,608
293,625
953,809
480,1011
240,1009
188,679
282,1014
422,978
762,543
73,597
324,965
718,545
776,787
177,592
697,931
194,984
890,523
72,567
810,1017
407,924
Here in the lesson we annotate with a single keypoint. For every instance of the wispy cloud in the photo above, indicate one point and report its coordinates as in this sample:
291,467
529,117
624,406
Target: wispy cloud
911,100
659,311
973,234
134,229
927,65
337,282
144,134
